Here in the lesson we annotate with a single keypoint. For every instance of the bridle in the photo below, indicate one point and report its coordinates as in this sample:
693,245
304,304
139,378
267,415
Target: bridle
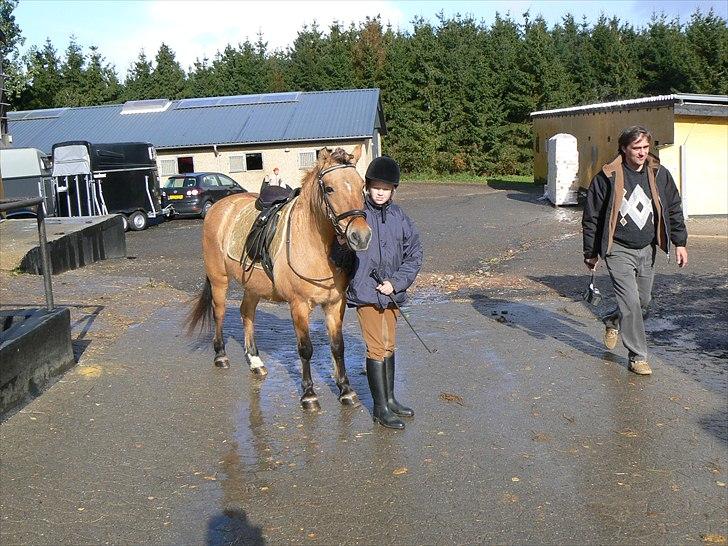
332,216
330,212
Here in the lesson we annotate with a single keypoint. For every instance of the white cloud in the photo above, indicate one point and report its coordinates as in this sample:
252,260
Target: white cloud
200,29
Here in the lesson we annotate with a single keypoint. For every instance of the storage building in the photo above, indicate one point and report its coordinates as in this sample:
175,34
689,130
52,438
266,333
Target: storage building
690,136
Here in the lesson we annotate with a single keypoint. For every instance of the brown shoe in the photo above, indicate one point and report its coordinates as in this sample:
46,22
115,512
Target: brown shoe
640,367
611,336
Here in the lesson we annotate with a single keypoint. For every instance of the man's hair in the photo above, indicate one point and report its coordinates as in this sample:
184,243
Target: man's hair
632,134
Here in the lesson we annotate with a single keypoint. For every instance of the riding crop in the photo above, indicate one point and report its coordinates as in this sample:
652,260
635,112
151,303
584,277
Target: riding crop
375,275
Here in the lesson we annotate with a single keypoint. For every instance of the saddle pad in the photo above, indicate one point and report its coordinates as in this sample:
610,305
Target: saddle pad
241,227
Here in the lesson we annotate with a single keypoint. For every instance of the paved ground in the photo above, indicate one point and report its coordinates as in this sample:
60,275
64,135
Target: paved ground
527,430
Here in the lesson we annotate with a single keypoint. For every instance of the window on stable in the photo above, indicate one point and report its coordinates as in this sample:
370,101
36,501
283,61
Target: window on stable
246,162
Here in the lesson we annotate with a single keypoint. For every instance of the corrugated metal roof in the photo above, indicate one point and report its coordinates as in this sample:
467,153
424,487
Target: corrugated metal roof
319,115
678,98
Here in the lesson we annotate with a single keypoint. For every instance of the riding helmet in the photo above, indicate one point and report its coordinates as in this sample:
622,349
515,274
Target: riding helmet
383,169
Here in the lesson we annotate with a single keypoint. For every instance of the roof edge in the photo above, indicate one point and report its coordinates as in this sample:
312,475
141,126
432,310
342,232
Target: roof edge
643,102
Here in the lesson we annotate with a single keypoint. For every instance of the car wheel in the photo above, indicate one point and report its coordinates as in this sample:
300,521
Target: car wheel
206,207
125,222
138,220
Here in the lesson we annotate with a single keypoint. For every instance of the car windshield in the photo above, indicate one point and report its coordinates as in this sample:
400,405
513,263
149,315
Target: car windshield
181,182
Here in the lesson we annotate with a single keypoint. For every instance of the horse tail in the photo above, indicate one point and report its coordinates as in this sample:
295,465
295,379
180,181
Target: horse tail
201,312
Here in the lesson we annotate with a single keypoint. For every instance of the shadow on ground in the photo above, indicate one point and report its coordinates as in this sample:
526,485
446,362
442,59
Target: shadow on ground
231,527
541,323
687,312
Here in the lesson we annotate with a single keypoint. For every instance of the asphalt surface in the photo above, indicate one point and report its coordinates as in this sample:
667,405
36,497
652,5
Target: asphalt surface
527,429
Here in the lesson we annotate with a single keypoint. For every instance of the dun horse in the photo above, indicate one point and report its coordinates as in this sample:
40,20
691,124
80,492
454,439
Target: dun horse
330,205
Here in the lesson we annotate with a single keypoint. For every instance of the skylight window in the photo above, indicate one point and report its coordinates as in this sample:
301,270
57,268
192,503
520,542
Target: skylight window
27,115
237,100
145,106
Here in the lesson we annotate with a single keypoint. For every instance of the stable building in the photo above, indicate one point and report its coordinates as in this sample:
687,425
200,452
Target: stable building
690,136
243,136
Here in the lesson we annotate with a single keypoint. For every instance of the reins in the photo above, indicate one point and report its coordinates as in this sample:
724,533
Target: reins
331,215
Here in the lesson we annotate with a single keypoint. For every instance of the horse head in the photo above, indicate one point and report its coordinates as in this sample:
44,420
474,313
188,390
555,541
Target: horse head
342,195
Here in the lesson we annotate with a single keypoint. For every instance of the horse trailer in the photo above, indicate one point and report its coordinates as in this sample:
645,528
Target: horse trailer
26,173
113,178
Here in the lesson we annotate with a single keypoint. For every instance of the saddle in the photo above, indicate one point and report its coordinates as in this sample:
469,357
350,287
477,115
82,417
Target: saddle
257,247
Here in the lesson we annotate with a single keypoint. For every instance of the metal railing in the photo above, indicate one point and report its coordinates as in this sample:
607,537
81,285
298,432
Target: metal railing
37,202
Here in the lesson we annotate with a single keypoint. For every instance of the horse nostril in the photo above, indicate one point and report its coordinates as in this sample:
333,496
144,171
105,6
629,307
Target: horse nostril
360,241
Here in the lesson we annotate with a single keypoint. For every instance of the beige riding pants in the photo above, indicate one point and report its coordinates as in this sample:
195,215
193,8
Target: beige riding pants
379,330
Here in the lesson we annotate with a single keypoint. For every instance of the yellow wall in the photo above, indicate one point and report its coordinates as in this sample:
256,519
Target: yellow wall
703,179
285,157
596,135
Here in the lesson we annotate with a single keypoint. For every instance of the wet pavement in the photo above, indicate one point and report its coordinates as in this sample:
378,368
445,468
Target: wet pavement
527,429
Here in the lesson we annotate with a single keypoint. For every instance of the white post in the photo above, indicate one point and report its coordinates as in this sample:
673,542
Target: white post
684,179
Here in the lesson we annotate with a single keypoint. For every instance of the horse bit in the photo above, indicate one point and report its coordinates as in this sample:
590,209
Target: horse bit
330,212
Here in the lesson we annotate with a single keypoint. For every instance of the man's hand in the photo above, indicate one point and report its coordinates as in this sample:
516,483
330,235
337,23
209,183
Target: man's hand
591,263
681,256
385,288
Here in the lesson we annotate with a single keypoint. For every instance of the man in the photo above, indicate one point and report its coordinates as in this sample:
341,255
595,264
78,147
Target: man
632,207
276,179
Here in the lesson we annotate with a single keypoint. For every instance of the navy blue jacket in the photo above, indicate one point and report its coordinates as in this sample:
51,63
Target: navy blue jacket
395,251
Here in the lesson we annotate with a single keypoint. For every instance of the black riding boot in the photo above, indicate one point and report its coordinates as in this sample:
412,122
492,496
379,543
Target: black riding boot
377,384
395,406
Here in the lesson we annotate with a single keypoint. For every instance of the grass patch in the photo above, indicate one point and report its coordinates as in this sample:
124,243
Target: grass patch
465,178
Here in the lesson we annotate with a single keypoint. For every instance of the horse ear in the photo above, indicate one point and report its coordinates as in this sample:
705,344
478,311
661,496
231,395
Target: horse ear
324,154
356,154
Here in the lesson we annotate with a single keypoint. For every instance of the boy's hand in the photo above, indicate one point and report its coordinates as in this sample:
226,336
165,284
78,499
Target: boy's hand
591,263
681,256
385,288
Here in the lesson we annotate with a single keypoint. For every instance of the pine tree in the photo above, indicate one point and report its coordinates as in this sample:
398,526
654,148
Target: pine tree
615,63
707,35
669,63
100,84
138,83
15,79
167,79
42,67
71,92
367,54
202,81
306,69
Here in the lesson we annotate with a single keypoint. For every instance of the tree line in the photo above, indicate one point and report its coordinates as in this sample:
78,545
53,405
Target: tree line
456,93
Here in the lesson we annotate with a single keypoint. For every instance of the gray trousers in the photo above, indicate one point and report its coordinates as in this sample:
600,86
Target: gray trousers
632,273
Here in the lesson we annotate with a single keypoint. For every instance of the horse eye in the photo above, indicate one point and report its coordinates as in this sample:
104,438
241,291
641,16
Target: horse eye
329,189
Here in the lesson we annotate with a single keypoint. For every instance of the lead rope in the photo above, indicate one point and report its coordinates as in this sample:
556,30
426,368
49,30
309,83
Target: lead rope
333,218
288,255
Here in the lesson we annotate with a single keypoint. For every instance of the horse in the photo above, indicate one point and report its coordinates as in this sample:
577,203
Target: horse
329,207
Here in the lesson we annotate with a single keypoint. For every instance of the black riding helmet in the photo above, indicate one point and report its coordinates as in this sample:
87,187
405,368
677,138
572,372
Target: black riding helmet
383,169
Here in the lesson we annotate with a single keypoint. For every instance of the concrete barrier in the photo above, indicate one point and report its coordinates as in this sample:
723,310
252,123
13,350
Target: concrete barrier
35,347
72,243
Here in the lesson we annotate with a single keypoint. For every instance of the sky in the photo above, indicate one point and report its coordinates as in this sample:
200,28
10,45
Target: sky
196,29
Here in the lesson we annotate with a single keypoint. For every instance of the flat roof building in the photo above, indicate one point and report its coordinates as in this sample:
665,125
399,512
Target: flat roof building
690,136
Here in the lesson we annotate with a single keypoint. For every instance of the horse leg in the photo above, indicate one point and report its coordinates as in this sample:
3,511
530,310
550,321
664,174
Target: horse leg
334,314
247,314
219,293
300,313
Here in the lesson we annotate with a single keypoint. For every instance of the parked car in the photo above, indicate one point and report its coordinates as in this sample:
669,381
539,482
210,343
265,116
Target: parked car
193,194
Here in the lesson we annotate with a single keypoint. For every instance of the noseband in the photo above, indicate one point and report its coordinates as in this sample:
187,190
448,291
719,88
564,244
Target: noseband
330,212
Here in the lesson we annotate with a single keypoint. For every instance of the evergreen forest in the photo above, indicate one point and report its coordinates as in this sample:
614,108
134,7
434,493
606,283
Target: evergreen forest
456,93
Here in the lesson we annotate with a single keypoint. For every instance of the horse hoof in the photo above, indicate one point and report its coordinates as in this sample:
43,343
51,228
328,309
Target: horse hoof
260,371
222,362
311,404
349,399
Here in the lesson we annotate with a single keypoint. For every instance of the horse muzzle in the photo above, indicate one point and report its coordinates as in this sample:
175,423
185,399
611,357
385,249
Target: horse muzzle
359,237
